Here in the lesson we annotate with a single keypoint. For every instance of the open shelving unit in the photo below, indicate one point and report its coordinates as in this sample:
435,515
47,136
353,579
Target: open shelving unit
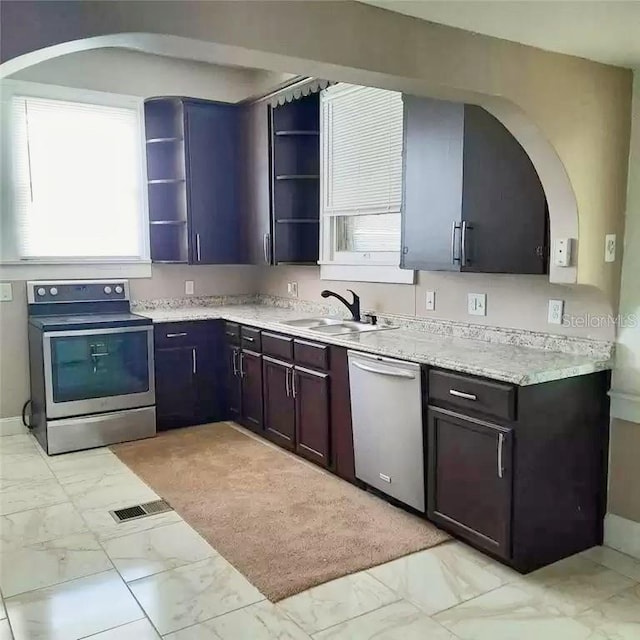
166,180
295,183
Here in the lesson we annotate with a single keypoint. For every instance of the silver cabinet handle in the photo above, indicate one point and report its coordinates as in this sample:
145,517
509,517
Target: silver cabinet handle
248,339
500,446
294,391
241,370
234,360
231,334
194,361
286,382
385,372
462,394
177,335
454,227
463,242
198,255
265,248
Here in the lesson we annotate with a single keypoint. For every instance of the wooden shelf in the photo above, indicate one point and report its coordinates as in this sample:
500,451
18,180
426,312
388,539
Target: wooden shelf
297,132
169,261
297,221
301,176
166,181
168,222
157,140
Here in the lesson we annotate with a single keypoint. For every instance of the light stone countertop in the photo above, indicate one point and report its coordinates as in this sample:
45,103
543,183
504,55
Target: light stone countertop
505,362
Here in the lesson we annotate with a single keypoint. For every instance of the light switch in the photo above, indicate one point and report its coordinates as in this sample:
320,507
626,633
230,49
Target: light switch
556,311
477,304
6,293
610,247
431,300
189,287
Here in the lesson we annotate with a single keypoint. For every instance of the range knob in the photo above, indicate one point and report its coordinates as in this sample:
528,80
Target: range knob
119,289
53,291
41,291
107,289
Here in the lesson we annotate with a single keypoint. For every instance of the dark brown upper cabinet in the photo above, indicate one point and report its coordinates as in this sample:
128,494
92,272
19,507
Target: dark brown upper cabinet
281,151
472,199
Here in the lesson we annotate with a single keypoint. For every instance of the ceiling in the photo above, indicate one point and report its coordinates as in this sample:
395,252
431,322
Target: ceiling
603,30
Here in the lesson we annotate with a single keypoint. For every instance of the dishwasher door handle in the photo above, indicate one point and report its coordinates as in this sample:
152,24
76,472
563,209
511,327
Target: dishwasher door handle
385,372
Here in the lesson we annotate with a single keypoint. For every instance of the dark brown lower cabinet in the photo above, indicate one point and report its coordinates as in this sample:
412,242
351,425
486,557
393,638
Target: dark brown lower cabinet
296,409
279,412
311,393
250,367
176,390
470,479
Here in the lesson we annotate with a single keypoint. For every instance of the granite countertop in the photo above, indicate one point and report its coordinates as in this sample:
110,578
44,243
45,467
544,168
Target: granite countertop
512,363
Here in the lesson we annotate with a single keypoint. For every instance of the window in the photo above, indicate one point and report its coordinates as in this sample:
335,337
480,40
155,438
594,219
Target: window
77,181
361,190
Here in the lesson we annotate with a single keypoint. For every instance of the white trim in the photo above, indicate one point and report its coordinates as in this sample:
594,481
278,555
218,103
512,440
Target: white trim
12,426
625,406
622,534
366,273
74,271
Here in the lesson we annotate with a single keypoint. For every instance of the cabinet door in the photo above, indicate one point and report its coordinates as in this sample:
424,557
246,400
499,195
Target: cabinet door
469,484
213,149
432,184
234,385
256,193
176,389
210,373
251,374
311,392
279,410
503,202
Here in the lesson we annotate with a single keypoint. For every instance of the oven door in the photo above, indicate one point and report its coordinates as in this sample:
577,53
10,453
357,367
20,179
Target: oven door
97,370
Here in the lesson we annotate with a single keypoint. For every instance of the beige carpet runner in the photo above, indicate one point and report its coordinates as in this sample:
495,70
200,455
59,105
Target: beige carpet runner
285,524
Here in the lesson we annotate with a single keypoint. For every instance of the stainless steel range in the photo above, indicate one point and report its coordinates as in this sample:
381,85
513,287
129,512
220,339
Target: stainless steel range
91,360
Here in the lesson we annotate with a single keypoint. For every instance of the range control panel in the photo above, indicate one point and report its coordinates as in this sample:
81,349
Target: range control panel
77,291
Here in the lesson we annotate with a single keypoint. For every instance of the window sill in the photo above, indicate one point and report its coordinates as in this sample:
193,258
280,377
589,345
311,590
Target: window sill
22,270
366,273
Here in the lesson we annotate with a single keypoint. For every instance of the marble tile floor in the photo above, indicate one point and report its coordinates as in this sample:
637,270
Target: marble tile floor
69,571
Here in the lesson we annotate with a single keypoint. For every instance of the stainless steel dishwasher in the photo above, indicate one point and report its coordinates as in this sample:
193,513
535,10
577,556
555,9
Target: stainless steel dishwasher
386,407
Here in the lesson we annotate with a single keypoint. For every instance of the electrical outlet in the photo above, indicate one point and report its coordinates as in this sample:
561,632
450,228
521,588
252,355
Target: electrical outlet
562,252
431,300
610,247
556,311
292,289
6,294
477,304
189,287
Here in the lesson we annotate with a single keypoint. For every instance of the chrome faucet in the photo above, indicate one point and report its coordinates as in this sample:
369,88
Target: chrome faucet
354,307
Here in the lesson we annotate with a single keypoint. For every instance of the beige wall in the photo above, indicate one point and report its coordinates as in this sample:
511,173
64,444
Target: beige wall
624,481
512,301
141,74
624,470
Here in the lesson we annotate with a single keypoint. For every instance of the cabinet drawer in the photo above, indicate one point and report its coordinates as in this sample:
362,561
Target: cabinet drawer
232,332
472,394
250,339
277,346
176,334
311,354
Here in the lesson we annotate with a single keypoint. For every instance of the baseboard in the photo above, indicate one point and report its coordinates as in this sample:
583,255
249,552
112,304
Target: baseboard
12,426
622,534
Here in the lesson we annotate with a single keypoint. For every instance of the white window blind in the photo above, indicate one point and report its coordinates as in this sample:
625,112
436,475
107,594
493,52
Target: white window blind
77,180
362,150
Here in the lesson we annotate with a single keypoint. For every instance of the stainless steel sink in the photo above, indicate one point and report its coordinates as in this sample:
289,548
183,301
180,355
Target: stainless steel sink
308,323
334,326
